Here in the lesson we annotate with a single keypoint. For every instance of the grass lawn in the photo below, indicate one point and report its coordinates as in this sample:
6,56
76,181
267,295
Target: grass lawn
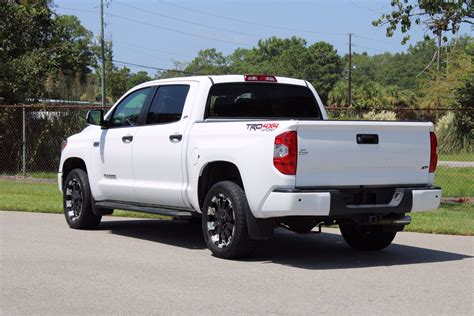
451,219
42,198
455,219
455,182
456,157
43,175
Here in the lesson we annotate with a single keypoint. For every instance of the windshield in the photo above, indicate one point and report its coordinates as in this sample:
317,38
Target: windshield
261,100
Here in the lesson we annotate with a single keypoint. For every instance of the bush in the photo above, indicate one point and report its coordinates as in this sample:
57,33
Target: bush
380,116
452,137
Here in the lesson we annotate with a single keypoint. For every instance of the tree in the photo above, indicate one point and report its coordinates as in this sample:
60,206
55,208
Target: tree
71,58
137,78
209,62
117,82
26,33
437,15
322,67
275,56
292,57
41,54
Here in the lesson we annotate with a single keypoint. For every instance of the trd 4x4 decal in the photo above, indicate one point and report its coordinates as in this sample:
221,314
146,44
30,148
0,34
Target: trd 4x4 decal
265,127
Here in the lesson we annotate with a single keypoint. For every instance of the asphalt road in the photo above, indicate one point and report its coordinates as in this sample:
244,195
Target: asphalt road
151,266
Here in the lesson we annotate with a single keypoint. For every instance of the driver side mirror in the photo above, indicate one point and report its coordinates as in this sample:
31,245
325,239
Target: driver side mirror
96,117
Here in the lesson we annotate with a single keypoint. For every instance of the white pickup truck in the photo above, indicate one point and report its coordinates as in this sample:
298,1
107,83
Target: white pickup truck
245,154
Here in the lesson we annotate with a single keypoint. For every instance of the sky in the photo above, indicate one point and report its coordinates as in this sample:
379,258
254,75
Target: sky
157,33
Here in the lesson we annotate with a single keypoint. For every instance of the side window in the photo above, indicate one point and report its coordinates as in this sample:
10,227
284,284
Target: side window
128,110
167,105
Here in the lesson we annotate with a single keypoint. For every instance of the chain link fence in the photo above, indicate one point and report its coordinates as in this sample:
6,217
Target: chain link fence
31,137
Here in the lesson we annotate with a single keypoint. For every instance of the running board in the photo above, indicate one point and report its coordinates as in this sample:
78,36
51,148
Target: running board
152,209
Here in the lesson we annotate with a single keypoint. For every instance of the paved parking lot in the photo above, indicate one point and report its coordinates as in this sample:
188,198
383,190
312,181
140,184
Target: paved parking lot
151,266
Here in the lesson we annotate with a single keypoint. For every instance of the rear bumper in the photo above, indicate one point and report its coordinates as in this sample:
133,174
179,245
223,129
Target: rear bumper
330,203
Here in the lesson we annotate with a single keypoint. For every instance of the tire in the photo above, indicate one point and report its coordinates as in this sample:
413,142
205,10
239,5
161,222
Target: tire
77,201
224,222
363,238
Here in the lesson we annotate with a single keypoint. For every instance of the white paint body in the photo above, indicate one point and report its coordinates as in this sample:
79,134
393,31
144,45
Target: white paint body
153,170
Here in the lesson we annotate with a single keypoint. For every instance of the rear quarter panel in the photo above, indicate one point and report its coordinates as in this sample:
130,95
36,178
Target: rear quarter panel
251,150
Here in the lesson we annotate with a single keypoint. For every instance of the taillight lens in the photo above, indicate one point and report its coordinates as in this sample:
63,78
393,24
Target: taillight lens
285,152
433,152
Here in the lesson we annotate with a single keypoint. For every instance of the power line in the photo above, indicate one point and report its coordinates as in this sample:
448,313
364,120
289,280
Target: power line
151,49
78,10
428,66
212,38
268,25
250,22
161,27
228,30
139,51
153,67
369,48
178,31
364,8
273,26
371,39
189,22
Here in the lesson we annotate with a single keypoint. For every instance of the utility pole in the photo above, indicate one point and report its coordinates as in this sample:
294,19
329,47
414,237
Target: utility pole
438,53
102,55
350,70
23,142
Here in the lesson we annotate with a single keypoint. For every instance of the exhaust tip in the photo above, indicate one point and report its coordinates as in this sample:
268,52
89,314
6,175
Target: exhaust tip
405,220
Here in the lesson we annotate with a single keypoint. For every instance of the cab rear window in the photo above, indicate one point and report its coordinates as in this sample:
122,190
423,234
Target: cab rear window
261,100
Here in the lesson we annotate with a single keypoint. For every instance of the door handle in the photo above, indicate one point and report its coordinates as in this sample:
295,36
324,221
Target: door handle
127,139
367,139
176,138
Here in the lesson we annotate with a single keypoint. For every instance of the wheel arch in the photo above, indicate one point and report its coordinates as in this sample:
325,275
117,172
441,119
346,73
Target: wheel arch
214,172
73,163
217,171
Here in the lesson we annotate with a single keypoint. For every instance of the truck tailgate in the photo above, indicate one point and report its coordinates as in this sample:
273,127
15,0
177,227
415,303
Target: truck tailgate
354,153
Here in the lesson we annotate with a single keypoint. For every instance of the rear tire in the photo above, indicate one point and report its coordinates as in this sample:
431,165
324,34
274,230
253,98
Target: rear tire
224,222
365,238
77,201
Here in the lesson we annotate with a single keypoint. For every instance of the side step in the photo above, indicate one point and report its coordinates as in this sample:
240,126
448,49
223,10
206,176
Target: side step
145,208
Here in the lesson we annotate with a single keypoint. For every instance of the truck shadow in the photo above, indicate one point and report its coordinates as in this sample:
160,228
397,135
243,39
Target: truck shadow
312,251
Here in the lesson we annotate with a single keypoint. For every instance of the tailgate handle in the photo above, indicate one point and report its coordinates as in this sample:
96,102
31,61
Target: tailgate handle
367,139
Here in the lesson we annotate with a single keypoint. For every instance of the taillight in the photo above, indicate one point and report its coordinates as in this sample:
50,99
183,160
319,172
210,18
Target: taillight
433,152
285,152
63,145
260,78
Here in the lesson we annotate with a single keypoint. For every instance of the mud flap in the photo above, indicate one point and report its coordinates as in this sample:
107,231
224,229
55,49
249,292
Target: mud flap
259,228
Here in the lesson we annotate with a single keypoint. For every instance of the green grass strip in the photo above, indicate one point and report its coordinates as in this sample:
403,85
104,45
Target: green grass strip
456,219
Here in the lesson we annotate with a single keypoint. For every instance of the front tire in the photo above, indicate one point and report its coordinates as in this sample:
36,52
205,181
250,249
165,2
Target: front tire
365,238
77,201
224,222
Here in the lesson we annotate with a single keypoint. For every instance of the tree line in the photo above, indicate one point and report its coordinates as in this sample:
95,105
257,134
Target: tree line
45,55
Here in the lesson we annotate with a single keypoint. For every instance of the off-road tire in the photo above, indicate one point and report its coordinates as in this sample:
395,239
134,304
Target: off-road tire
77,201
227,197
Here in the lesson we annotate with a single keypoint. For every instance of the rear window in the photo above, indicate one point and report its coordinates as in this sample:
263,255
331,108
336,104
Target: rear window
261,100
